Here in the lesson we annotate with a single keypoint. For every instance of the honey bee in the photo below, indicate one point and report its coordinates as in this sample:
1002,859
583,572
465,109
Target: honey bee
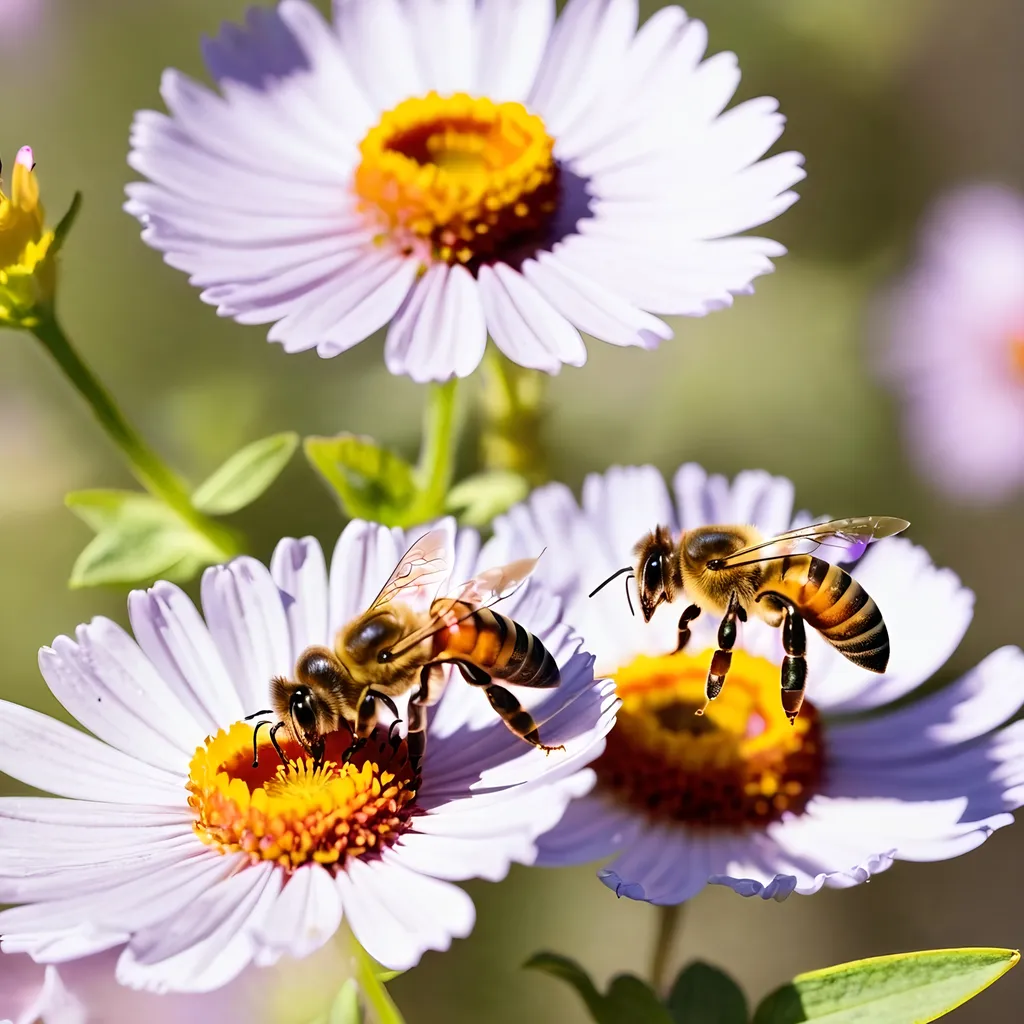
401,643
733,570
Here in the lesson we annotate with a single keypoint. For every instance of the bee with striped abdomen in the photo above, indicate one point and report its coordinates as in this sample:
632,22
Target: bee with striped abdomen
732,571
402,642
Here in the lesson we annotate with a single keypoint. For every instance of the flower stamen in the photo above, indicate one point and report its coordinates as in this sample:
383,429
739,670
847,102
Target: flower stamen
300,811
458,179
739,764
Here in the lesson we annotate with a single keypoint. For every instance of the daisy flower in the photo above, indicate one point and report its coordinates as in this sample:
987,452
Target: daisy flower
166,843
739,797
954,344
455,169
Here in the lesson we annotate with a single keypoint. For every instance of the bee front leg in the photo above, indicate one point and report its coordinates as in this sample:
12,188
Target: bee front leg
684,626
721,660
431,687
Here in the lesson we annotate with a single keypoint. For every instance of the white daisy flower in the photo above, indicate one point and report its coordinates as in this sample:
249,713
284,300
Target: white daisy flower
459,168
738,797
170,845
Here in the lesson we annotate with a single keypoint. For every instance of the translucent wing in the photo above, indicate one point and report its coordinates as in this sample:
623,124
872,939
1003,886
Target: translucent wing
483,590
853,534
420,572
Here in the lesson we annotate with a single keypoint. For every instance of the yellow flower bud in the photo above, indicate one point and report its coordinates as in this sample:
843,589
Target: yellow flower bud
27,277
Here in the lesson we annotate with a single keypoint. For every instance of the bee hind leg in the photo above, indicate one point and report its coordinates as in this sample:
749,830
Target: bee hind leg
512,713
794,664
721,660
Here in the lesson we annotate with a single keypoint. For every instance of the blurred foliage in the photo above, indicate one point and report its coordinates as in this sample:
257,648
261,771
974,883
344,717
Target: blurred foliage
889,103
907,988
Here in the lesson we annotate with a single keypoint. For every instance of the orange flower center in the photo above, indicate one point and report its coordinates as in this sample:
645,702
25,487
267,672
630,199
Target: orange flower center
458,179
739,764
300,812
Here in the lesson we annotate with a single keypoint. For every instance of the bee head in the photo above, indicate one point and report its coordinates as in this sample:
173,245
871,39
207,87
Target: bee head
654,576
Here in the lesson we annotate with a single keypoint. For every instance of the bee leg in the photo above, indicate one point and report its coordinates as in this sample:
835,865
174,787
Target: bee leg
512,713
353,748
794,665
277,746
684,626
721,660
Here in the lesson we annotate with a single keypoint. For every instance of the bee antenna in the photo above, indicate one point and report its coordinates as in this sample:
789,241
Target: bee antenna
257,714
629,599
618,572
255,743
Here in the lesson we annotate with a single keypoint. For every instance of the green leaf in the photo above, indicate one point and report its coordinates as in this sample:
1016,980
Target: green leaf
570,971
137,539
908,988
479,498
369,481
629,1000
245,475
703,994
632,1001
345,1008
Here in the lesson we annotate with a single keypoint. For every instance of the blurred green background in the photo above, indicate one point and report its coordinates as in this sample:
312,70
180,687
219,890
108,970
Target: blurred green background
890,103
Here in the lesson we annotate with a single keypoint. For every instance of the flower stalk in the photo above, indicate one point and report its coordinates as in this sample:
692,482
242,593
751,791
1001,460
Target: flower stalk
669,921
162,482
513,409
436,465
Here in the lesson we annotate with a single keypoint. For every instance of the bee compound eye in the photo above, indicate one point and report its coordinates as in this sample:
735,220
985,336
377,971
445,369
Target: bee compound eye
302,712
653,581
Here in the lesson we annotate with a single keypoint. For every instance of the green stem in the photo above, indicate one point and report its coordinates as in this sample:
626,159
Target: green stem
669,920
374,992
436,465
148,468
513,407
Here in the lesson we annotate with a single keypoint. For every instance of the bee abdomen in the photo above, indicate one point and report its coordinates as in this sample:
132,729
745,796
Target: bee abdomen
831,601
502,648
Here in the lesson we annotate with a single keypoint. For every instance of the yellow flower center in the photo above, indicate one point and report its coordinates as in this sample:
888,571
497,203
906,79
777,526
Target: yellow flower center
459,179
300,812
739,764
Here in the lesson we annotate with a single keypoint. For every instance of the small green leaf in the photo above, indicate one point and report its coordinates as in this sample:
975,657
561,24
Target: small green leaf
568,970
137,539
479,498
245,475
703,994
66,223
908,988
370,482
629,1000
632,1001
345,1008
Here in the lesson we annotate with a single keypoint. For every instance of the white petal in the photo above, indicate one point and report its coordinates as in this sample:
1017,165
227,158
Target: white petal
511,38
300,572
209,942
591,828
440,331
444,37
600,313
174,637
590,37
397,915
980,701
306,914
364,557
523,324
378,43
244,612
53,757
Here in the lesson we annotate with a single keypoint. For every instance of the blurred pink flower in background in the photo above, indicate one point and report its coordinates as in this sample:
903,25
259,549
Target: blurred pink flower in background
17,18
955,344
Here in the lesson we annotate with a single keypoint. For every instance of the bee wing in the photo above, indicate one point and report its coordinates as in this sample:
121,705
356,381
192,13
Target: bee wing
853,534
420,572
483,590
